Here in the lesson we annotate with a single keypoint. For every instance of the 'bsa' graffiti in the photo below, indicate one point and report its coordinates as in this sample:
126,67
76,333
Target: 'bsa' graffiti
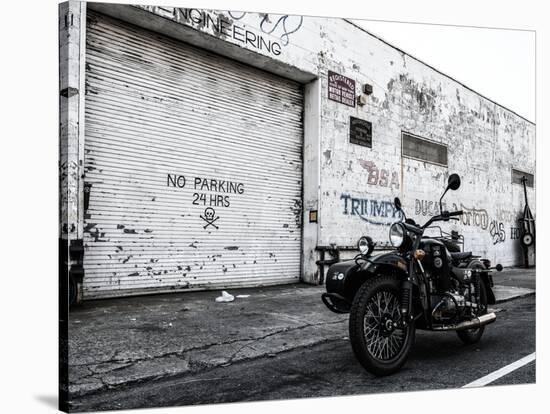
380,176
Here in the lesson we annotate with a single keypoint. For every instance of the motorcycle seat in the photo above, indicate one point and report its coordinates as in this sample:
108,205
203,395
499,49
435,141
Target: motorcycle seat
461,255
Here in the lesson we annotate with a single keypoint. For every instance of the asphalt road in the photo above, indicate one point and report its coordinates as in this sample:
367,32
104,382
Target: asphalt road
437,361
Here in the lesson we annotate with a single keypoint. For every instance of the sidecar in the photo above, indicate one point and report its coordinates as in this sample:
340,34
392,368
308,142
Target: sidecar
345,278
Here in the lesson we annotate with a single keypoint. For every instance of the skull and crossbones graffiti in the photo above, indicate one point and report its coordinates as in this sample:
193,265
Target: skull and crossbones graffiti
209,214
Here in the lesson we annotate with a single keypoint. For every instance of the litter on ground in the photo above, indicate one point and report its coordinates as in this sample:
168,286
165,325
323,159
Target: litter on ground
225,297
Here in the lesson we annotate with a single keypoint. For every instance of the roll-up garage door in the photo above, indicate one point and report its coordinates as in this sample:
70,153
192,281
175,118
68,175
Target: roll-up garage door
193,167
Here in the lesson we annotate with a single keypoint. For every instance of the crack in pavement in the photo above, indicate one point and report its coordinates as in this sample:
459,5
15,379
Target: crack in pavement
99,374
278,332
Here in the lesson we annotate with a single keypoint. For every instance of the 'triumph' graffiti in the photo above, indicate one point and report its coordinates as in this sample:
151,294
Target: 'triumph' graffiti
371,210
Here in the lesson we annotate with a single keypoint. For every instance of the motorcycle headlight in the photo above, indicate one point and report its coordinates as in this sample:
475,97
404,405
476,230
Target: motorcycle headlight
397,234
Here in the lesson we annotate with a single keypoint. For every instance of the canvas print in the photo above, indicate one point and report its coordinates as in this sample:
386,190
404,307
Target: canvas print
257,206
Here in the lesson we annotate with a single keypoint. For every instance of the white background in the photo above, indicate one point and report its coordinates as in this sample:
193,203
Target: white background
497,63
28,225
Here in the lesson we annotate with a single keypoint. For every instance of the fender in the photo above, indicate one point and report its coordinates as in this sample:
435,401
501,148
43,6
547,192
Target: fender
486,278
345,278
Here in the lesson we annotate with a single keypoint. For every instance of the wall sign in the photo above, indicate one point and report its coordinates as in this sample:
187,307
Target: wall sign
208,193
341,89
360,132
270,33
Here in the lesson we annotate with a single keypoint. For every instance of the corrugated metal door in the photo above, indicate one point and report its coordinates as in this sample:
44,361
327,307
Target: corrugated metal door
193,164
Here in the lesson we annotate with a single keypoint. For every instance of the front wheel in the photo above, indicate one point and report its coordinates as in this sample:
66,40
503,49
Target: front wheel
378,341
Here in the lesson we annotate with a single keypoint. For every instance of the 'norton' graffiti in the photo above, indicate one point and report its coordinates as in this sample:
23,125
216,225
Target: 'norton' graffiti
370,210
475,217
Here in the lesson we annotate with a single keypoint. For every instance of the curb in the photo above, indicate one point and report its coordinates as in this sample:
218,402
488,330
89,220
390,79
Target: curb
520,296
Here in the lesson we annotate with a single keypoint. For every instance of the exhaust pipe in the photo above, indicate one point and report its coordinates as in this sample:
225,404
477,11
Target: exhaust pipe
473,324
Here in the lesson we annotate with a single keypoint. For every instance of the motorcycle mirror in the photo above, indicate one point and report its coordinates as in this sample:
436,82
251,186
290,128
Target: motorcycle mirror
453,182
498,267
397,203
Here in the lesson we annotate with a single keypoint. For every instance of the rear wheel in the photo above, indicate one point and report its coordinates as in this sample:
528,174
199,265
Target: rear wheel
378,341
471,336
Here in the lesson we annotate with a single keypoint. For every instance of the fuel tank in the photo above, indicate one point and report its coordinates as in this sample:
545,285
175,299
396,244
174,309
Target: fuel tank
437,261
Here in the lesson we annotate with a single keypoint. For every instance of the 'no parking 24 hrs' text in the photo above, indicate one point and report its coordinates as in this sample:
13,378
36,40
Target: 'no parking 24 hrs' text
204,187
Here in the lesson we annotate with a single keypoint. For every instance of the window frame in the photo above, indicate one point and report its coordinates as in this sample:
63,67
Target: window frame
512,169
403,133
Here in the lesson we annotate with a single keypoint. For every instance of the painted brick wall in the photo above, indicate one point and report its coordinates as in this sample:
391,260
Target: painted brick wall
484,142
357,184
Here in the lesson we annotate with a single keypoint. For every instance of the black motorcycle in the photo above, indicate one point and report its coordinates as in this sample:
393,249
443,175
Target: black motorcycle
454,242
420,285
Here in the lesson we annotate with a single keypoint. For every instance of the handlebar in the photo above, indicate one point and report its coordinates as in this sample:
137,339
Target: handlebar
444,216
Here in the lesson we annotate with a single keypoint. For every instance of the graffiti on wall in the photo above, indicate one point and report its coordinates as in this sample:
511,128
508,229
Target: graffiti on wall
497,232
475,217
506,216
380,176
515,233
377,212
427,207
288,25
471,217
280,26
272,34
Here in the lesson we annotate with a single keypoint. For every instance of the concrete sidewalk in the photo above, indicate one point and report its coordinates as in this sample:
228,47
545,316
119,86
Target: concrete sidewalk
119,342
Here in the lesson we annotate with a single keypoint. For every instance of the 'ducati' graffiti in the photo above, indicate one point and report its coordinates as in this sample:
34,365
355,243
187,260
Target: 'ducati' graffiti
471,217
475,218
427,207
377,212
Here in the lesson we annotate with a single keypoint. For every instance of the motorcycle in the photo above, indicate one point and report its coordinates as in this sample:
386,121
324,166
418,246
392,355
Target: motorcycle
419,285
454,242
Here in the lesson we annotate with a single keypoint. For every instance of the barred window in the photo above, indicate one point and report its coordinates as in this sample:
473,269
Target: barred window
518,175
421,149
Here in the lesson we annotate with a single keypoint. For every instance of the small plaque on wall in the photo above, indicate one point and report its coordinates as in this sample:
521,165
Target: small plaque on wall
313,216
360,132
341,89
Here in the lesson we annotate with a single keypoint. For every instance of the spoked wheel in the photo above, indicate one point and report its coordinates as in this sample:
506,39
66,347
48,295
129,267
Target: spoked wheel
471,336
379,342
